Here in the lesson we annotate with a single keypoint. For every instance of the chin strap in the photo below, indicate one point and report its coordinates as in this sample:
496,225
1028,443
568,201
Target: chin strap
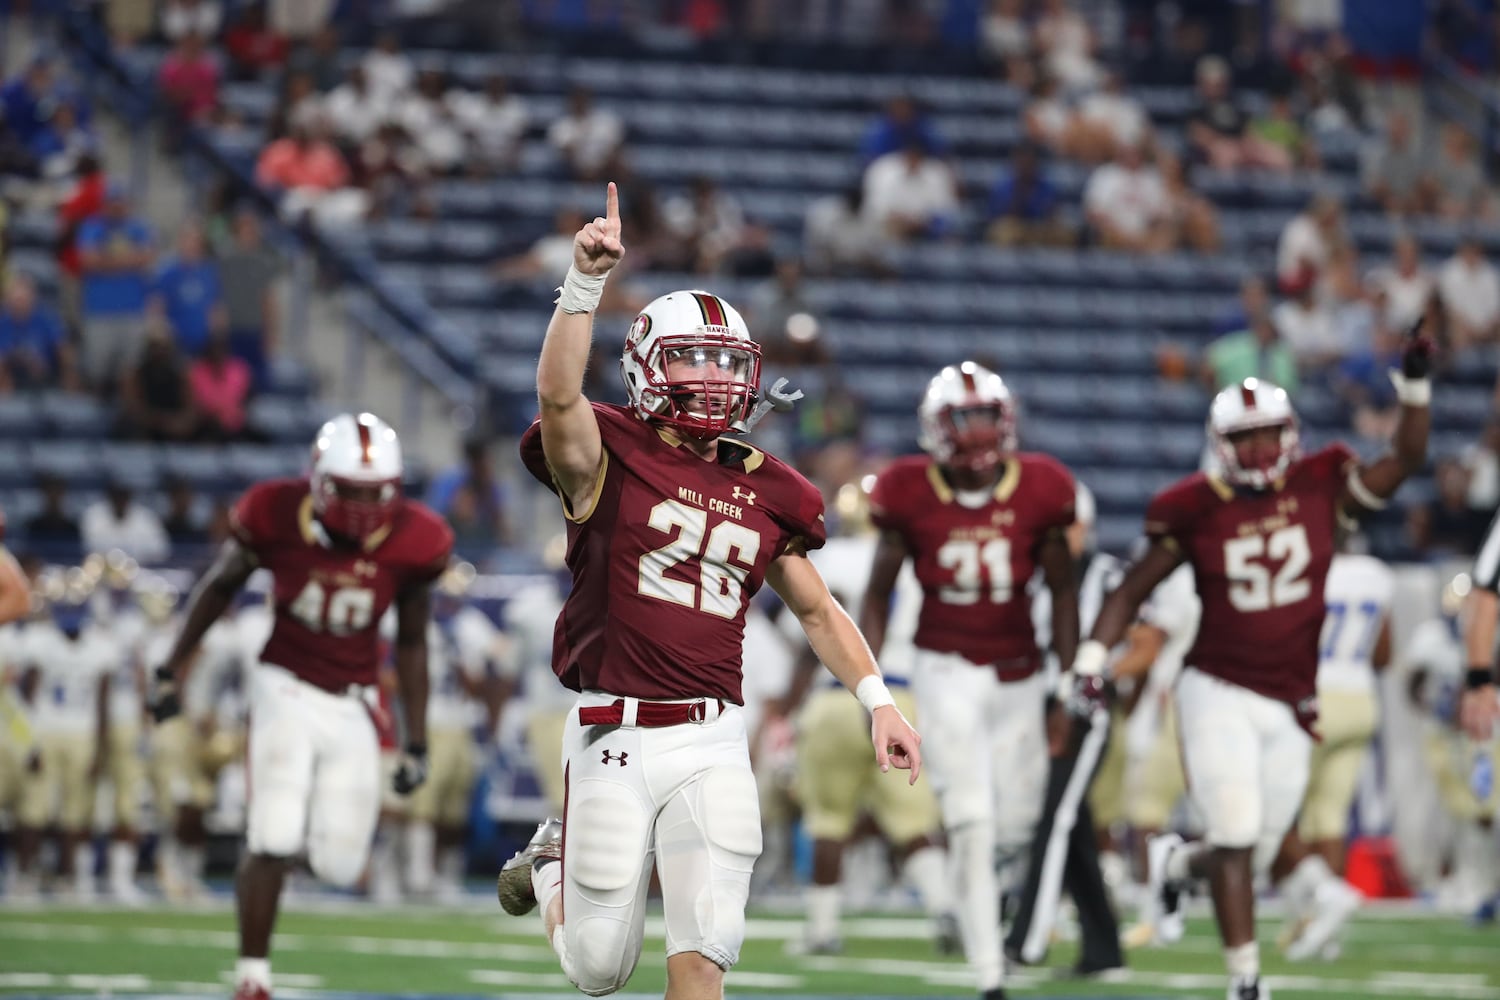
774,398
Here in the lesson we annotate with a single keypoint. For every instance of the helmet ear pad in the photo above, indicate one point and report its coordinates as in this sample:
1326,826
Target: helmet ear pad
713,389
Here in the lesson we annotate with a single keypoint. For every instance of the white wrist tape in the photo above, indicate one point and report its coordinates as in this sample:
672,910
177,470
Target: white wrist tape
1090,659
1361,493
1411,391
872,693
580,293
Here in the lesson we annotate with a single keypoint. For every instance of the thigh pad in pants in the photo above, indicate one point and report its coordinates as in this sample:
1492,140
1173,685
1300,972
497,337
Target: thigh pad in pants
606,870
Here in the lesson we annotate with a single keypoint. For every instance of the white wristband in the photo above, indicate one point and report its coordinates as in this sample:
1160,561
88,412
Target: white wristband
1090,659
580,293
872,693
1411,391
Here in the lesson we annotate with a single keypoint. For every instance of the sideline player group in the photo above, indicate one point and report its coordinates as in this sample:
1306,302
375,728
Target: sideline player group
673,524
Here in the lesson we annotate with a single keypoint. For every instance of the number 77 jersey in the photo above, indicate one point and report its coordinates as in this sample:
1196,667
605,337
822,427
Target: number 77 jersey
1261,562
975,555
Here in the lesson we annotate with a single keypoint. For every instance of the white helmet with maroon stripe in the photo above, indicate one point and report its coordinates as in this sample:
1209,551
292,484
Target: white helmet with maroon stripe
356,475
1252,405
714,378
967,419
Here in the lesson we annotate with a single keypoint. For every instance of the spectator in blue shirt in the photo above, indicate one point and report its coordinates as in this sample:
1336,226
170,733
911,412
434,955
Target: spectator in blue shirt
1023,204
27,99
32,343
188,292
115,256
902,124
475,477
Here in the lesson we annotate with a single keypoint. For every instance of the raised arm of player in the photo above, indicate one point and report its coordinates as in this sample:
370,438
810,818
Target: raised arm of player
875,611
1120,607
209,600
836,640
570,433
1369,486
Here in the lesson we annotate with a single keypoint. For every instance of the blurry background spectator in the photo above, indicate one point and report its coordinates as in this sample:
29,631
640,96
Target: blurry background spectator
119,522
1257,351
311,176
191,18
1311,237
1024,204
1457,188
35,352
189,81
840,238
1404,283
184,524
1470,291
910,194
475,475
249,271
252,45
1394,174
115,259
219,384
156,403
901,124
494,120
1305,323
51,529
1127,204
588,138
188,293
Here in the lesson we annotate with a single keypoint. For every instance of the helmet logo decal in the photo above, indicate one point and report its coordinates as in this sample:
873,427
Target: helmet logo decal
712,308
639,329
364,441
1247,395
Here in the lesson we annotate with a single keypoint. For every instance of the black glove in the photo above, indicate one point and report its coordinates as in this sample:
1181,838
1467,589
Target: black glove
163,697
1089,695
411,771
1417,350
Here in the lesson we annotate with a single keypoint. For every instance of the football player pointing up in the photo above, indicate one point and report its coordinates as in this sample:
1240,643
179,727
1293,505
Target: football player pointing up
1260,539
672,527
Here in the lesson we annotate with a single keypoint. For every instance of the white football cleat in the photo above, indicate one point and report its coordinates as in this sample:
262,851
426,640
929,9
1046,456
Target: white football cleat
1163,894
1333,904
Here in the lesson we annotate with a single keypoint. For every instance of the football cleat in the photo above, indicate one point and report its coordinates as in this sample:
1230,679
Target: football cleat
947,940
248,990
1248,988
1333,905
1164,895
513,885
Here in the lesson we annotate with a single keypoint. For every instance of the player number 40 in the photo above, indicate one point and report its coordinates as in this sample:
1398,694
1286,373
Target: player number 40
1252,587
343,612
724,560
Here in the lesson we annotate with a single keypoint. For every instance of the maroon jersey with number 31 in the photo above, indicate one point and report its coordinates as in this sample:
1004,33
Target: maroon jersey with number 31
1260,559
974,560
667,558
330,598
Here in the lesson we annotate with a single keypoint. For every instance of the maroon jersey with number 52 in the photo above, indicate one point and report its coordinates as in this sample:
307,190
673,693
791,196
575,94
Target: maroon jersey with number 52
1260,559
974,558
330,598
667,558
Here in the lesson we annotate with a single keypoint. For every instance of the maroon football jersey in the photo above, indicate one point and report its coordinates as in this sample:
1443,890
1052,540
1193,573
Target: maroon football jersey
329,599
667,559
1260,559
974,562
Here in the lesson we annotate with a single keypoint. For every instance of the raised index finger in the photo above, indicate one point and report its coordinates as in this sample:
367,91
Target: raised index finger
612,205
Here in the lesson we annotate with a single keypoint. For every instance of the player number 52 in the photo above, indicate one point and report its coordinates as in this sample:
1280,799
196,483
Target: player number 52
1251,585
724,561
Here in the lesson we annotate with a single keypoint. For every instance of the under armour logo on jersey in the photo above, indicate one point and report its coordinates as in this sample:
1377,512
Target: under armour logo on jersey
364,567
615,758
748,496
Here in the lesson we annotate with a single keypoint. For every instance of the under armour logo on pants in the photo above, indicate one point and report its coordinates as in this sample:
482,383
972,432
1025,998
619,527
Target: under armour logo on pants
618,758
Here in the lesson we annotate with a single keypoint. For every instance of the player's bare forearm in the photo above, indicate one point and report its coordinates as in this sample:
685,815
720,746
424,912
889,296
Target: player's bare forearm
830,631
1479,631
1120,607
413,609
15,592
1408,454
875,609
1057,571
1380,657
209,600
1143,644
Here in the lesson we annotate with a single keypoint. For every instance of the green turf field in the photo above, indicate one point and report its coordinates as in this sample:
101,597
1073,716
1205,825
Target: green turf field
360,949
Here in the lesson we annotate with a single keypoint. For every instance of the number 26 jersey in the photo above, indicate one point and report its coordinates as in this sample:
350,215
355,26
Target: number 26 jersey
667,558
1261,561
330,599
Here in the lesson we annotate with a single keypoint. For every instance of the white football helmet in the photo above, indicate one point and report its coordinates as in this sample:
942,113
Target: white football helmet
1253,404
717,380
356,475
967,419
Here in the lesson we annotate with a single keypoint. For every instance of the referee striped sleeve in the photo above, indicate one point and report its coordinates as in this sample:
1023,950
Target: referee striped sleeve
1487,563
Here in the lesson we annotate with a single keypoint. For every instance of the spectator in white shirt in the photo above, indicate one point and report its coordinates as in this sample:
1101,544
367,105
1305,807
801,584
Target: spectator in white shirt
1306,325
910,194
550,255
1470,291
838,239
1067,44
1311,238
588,138
1004,33
1108,120
180,18
425,116
709,219
388,70
1127,204
494,121
1406,284
354,109
118,522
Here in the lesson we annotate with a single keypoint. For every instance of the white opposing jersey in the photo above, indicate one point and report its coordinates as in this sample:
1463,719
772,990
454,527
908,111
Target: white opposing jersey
460,647
1436,646
844,564
529,619
1358,594
768,665
1174,608
68,695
